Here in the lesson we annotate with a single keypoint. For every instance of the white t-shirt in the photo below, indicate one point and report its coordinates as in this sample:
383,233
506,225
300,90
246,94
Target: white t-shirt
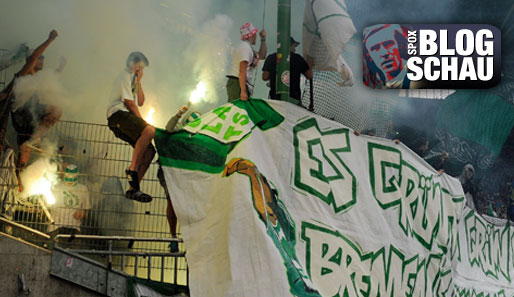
68,199
122,89
245,52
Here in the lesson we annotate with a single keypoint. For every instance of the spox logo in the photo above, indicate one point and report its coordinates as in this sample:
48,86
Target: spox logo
432,56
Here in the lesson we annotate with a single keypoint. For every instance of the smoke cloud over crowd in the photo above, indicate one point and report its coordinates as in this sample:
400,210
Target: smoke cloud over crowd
185,41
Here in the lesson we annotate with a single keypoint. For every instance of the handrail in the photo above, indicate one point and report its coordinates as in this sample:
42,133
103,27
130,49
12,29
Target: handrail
118,238
36,232
110,253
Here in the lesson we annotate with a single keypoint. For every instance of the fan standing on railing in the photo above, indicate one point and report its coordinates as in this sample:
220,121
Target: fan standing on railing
126,122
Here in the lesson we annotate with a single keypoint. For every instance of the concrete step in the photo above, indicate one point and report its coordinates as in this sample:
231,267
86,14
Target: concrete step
20,258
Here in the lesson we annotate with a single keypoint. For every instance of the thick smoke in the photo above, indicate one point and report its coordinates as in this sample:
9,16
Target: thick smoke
185,41
208,53
45,86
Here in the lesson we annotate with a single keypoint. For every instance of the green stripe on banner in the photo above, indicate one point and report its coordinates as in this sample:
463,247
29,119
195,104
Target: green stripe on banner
341,5
188,151
260,113
312,31
191,165
332,15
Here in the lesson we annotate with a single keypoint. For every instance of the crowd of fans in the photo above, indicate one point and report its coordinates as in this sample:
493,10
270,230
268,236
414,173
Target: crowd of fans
491,194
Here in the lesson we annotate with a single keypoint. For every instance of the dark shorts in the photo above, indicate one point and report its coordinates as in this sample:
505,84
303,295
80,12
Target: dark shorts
233,89
126,126
26,118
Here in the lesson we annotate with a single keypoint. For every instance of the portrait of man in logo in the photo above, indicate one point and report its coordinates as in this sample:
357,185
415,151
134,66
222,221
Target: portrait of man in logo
385,57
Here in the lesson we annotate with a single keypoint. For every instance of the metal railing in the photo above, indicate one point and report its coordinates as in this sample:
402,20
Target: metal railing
8,225
123,264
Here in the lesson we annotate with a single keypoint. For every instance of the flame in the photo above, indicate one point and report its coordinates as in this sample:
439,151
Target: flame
42,186
39,178
150,119
199,92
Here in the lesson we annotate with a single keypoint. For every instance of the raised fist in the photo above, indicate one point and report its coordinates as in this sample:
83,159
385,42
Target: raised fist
53,35
263,34
183,109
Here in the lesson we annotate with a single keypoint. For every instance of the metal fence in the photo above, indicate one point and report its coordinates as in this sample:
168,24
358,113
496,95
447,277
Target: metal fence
149,264
101,160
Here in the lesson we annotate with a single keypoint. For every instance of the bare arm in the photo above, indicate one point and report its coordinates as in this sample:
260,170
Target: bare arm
308,73
140,93
265,75
263,50
242,79
132,107
172,123
37,53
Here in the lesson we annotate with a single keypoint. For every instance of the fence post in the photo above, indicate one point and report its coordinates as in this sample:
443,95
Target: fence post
162,268
149,274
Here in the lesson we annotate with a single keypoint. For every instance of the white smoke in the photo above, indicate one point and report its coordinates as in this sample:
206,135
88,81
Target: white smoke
45,85
208,53
185,42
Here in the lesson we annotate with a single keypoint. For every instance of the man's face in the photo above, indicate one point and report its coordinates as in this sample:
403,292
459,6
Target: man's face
293,48
468,173
138,66
384,52
253,39
39,64
424,147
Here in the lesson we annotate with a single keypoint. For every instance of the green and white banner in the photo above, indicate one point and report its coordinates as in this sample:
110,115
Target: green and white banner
276,201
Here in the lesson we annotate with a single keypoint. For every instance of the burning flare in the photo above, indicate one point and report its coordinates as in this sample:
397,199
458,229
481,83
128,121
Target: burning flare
199,93
39,178
42,186
150,119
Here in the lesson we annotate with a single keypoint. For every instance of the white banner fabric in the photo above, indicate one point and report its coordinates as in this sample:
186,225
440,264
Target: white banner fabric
273,200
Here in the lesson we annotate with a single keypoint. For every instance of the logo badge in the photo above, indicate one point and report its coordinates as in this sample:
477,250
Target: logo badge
431,56
285,78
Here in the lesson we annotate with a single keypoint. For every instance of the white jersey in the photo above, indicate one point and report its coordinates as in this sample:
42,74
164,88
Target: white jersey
68,199
245,52
122,90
